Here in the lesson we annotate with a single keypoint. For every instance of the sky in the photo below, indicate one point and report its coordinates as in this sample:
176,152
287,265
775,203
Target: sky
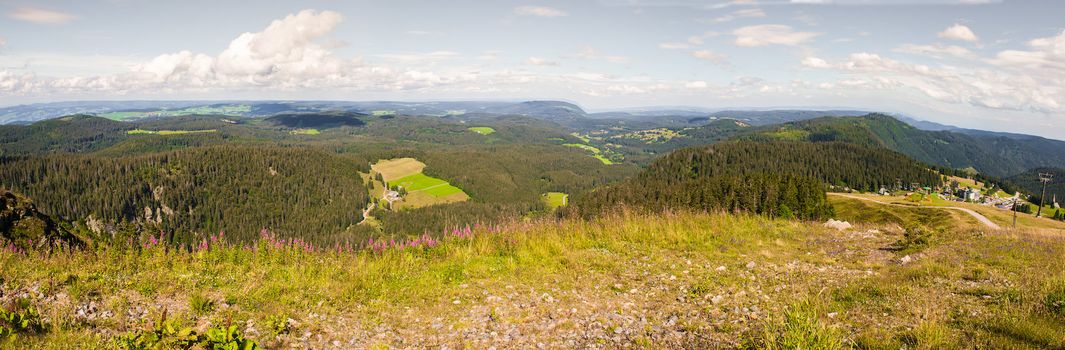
985,64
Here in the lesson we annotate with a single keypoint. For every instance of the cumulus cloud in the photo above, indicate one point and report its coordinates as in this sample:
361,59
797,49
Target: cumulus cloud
937,51
711,56
1020,80
771,34
540,11
738,14
959,32
38,15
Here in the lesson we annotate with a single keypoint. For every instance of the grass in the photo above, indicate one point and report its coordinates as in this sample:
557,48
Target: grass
814,288
417,182
305,132
555,199
396,168
168,132
422,190
483,130
596,152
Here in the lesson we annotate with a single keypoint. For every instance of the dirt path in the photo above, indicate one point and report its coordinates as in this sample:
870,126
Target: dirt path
979,217
366,212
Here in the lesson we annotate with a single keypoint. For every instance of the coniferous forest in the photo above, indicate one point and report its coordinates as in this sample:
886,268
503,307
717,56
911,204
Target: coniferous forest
786,179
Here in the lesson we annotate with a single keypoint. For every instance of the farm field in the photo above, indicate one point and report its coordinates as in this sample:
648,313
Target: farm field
596,152
392,169
168,132
483,130
422,190
555,199
305,132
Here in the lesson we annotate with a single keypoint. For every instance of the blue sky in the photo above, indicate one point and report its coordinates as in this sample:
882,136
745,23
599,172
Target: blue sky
997,65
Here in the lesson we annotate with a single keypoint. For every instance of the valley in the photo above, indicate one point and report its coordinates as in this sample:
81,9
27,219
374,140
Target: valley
535,226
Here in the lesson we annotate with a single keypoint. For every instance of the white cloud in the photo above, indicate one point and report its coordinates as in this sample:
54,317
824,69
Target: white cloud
590,53
937,50
959,32
537,61
738,14
419,32
3,41
696,85
673,46
711,56
771,34
37,15
1018,80
540,11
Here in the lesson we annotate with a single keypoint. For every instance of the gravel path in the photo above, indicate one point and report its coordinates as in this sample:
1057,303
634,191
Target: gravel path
983,219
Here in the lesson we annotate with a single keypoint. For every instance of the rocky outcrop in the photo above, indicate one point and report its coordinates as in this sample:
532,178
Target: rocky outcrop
25,227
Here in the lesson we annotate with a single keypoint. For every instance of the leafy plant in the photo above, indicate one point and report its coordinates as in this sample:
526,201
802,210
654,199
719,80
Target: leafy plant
170,335
24,319
278,324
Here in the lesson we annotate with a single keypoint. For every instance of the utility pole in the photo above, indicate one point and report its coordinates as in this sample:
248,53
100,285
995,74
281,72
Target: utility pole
1045,179
1015,199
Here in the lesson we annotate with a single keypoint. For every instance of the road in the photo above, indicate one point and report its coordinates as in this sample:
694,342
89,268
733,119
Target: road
979,217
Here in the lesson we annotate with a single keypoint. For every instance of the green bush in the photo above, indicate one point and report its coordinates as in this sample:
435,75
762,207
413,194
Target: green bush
23,319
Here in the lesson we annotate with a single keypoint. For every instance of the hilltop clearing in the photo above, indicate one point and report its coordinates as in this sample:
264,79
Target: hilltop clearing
663,281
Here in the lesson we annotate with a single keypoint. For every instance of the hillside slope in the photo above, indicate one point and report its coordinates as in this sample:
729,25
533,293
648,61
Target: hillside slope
775,178
989,153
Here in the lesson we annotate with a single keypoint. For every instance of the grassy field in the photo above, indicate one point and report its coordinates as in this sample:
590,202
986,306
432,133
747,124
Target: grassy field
483,130
422,190
555,199
629,281
305,132
392,169
1002,217
596,152
168,132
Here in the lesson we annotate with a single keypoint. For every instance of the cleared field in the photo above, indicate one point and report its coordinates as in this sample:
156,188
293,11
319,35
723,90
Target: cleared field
1001,217
596,152
555,199
168,132
417,182
422,190
305,132
584,147
392,169
483,130
443,190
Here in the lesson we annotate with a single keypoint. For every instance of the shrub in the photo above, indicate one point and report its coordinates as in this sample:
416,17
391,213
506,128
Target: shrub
23,319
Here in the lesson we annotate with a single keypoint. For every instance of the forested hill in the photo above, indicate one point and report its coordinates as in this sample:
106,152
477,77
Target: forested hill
774,178
1028,182
188,193
989,153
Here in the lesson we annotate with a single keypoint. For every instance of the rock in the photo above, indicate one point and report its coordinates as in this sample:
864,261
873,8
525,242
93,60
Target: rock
717,299
905,260
751,265
838,225
721,268
833,314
